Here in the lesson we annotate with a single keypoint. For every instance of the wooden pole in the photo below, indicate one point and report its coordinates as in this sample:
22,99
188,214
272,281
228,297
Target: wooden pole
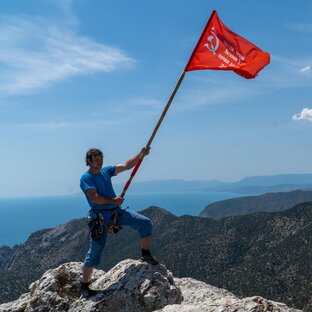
147,146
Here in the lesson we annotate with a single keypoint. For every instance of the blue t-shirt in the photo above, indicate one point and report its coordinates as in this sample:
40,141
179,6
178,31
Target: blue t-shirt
102,183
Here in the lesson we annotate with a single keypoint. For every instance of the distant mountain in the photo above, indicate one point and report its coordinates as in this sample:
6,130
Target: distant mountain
268,254
280,179
264,184
251,185
167,186
258,190
270,202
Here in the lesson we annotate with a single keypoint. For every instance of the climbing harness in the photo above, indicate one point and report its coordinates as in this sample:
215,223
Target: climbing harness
97,225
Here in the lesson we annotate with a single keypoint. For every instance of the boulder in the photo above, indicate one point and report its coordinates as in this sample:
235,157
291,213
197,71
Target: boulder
132,286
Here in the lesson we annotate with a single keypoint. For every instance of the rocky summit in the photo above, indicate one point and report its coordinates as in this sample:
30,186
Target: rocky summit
265,254
132,286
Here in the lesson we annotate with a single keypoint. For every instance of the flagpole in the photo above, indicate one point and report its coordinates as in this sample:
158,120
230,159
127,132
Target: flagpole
147,146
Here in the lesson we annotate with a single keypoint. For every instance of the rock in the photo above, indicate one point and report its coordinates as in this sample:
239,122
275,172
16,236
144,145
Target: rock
132,286
201,297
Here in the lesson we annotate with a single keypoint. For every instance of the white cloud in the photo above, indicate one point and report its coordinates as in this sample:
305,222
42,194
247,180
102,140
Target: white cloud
305,114
285,73
305,69
35,54
48,125
65,6
145,101
292,66
227,88
55,125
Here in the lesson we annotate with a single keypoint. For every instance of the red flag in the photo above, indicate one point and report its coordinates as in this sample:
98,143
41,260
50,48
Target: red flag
221,49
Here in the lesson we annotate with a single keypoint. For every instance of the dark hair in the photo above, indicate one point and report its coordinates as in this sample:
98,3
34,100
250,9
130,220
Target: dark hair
93,152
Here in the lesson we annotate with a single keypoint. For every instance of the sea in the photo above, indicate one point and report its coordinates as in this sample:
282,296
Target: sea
19,217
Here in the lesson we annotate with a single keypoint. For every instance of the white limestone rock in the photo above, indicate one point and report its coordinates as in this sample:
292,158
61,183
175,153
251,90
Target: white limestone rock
132,286
201,297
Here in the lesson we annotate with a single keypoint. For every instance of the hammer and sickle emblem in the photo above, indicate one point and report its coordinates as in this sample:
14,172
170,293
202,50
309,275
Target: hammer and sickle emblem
213,42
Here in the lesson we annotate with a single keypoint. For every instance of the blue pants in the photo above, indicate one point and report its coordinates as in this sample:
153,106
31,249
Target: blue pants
126,217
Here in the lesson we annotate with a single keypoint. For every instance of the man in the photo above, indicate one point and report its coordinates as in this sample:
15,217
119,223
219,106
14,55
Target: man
105,209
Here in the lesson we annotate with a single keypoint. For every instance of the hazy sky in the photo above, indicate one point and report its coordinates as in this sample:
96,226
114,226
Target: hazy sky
76,74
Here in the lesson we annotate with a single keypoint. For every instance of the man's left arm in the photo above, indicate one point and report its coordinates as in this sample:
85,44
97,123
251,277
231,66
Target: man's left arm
131,162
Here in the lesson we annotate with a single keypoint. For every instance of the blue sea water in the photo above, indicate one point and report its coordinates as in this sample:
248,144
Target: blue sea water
19,217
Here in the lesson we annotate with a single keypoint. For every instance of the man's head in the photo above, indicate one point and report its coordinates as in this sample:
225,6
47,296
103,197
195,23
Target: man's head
94,157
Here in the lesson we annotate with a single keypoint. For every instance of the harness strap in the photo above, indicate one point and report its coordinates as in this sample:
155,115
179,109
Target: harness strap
115,227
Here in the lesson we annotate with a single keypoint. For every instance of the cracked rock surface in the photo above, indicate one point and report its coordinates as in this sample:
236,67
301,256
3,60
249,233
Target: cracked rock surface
132,286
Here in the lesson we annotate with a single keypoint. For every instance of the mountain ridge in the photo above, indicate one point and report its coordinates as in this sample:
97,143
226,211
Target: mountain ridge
269,202
267,254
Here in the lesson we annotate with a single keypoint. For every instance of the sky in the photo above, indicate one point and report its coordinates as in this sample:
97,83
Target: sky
76,74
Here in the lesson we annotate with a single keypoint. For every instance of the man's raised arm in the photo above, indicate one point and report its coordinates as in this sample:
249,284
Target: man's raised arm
131,162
